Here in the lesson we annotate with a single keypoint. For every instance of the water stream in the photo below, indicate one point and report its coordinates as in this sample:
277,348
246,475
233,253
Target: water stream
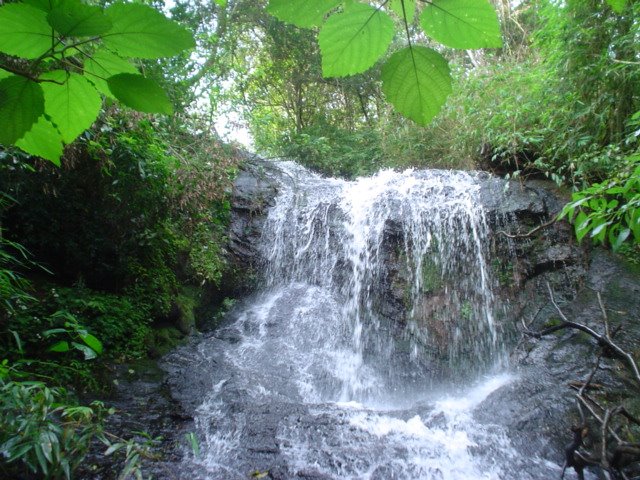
316,377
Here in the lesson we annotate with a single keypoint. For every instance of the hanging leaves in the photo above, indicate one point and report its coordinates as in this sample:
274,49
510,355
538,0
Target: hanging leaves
21,104
416,80
43,140
73,18
302,13
51,31
409,9
104,64
140,93
71,102
462,23
24,31
142,32
353,40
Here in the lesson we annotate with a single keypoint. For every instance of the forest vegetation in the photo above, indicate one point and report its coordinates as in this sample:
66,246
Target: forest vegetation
113,213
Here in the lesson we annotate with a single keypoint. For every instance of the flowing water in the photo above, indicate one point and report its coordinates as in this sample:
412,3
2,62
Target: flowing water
371,343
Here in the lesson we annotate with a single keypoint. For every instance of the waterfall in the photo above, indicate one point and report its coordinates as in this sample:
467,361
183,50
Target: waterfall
372,339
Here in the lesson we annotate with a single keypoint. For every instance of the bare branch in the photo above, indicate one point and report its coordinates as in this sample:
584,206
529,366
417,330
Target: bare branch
529,233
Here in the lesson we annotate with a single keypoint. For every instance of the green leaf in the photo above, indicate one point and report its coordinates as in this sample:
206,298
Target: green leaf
417,82
54,331
581,225
462,23
61,346
72,106
301,13
140,93
92,342
21,103
353,40
600,229
620,239
89,353
409,8
143,32
221,3
41,459
4,74
617,5
43,140
114,447
104,64
24,31
76,19
44,5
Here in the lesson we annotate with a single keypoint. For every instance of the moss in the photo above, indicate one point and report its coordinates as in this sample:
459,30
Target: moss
162,340
185,304
431,275
503,272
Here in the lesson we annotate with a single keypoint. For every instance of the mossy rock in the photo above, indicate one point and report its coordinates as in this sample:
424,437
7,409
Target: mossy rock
162,340
184,305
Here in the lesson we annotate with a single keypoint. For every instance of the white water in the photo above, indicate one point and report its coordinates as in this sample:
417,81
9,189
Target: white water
314,380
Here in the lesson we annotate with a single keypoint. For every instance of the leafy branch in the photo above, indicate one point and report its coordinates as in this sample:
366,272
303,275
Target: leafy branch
62,56
354,36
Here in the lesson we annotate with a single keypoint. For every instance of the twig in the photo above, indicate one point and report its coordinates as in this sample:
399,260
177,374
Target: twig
529,233
602,340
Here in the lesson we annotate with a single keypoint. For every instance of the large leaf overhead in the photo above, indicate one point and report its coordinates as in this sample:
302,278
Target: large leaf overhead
43,140
404,7
71,102
302,13
142,32
44,5
24,31
353,40
21,103
417,81
462,23
74,18
140,93
104,64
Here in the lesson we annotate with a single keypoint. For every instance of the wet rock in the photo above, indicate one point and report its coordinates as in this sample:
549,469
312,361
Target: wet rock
254,191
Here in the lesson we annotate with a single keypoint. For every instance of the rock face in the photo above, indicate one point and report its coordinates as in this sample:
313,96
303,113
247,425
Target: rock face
539,404
536,409
254,191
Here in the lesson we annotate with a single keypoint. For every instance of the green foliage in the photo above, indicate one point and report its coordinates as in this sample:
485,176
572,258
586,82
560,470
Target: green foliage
356,35
302,13
353,40
140,93
462,23
413,75
403,9
43,140
72,102
141,32
41,433
24,31
90,347
52,90
609,212
336,152
22,104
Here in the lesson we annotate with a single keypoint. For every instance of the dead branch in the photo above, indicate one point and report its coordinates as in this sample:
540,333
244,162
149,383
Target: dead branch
530,232
614,453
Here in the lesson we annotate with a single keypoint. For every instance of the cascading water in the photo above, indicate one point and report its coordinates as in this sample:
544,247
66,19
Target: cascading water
316,378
